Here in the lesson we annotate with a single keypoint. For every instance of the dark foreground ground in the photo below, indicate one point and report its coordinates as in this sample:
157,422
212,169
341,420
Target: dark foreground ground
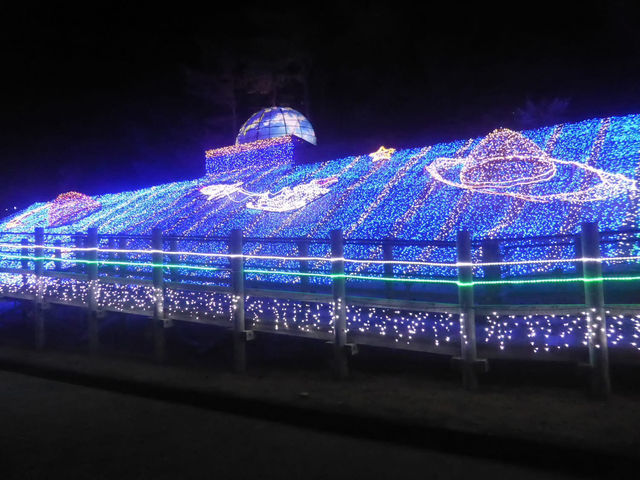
120,415
58,430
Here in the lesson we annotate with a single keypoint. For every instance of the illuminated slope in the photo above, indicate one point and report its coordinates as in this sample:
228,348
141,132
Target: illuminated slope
395,197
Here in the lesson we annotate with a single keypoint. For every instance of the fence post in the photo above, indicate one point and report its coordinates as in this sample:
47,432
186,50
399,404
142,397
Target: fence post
39,296
303,251
240,334
596,319
387,255
578,246
491,254
78,243
341,349
111,256
468,361
122,256
174,274
91,268
24,262
159,322
57,253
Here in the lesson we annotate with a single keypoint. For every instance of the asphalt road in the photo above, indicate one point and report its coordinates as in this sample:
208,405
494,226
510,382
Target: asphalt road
50,429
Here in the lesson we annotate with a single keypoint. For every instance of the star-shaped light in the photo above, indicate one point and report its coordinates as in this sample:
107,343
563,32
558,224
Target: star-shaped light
382,154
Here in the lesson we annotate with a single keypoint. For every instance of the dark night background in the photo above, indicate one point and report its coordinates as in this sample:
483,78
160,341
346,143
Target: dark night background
104,98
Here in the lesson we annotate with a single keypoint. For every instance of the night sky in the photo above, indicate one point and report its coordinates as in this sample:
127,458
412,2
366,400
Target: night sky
102,99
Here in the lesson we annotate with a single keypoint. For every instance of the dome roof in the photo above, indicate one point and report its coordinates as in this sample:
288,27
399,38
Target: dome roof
276,122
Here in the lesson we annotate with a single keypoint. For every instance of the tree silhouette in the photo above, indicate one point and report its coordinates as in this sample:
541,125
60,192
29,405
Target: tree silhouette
236,82
542,112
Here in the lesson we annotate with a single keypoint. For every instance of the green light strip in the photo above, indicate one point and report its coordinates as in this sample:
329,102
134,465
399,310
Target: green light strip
335,275
108,262
353,277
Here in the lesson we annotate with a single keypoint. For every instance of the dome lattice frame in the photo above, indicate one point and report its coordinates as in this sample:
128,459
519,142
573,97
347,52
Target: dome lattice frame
275,122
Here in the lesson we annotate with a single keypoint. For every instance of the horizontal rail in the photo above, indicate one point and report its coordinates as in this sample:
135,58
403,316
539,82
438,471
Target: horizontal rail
553,309
233,278
292,240
283,258
401,242
530,238
325,240
289,295
400,304
348,276
625,231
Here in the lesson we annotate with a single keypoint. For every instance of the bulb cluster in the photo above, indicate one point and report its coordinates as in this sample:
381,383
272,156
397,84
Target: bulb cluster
284,200
536,333
260,152
71,206
401,194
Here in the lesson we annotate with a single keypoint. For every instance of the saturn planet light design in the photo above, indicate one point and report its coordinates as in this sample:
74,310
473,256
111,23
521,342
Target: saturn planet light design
504,162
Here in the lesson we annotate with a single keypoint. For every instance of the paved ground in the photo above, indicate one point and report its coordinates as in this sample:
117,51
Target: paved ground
51,429
535,414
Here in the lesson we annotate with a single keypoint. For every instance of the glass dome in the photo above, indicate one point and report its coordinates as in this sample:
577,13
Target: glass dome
276,122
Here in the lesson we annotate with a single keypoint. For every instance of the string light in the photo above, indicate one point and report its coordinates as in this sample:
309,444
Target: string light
284,200
258,153
66,208
541,334
394,197
424,205
506,159
294,198
215,192
276,121
70,207
247,147
367,261
18,220
331,275
382,154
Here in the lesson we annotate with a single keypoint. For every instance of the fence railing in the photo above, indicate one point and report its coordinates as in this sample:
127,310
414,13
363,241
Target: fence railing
220,280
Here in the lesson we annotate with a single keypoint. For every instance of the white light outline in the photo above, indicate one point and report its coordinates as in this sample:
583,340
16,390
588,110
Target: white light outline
610,186
304,194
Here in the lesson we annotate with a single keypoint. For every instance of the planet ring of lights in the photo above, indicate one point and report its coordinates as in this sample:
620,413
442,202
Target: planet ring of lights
507,163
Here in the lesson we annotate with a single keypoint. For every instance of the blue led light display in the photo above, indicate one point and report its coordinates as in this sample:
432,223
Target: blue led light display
504,185
416,194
